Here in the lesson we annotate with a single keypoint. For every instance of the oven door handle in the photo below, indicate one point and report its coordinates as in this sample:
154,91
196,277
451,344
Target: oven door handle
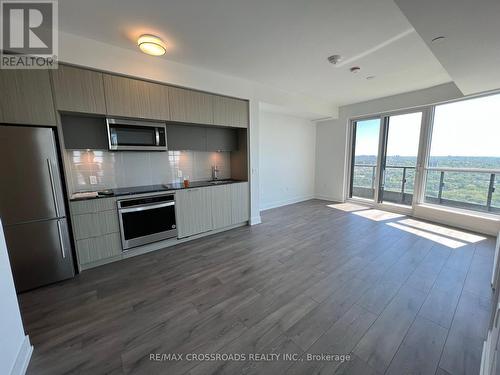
145,208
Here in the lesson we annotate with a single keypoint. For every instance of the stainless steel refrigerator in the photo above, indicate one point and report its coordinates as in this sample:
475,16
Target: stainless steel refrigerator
32,207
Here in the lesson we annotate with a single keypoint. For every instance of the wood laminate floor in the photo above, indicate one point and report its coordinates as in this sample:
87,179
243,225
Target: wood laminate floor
400,296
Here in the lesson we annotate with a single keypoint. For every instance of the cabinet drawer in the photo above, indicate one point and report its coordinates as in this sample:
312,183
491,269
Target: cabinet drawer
92,206
95,224
97,248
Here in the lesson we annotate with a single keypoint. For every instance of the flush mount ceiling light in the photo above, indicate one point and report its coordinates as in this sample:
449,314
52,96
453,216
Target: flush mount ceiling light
152,45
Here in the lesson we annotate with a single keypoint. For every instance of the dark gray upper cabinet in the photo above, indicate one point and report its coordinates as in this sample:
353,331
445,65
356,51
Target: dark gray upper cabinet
201,138
222,139
26,97
84,132
186,137
78,90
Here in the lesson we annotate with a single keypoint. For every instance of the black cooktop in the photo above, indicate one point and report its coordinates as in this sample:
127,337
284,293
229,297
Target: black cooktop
141,189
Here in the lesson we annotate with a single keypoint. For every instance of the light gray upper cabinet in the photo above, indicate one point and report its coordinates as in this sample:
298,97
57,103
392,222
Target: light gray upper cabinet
221,206
135,98
26,97
230,112
186,137
240,202
78,90
190,106
193,211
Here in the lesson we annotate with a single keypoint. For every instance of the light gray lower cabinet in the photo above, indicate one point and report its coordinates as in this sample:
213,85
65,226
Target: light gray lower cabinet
240,202
96,229
221,206
193,210
210,208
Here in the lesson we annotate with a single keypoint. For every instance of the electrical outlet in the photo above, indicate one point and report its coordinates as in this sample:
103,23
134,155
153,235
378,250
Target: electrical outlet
179,173
93,180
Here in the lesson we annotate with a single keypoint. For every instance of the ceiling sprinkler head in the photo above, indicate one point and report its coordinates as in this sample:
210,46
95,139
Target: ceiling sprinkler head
355,69
334,59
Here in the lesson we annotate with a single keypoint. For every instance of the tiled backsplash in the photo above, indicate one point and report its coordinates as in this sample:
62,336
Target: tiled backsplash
125,169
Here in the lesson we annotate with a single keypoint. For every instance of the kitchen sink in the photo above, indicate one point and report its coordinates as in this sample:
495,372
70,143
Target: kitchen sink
219,182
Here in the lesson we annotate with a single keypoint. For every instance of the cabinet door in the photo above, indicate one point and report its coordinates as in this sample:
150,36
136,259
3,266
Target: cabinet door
135,98
186,137
239,202
78,90
26,97
221,206
84,132
190,106
230,112
96,248
222,139
193,210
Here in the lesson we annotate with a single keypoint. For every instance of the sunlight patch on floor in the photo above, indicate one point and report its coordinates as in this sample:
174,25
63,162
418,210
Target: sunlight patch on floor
449,232
348,207
448,242
378,215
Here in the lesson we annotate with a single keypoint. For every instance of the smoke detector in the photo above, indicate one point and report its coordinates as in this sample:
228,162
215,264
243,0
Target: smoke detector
334,59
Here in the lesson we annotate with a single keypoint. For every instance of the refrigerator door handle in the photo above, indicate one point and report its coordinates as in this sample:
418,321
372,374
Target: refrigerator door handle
53,187
61,240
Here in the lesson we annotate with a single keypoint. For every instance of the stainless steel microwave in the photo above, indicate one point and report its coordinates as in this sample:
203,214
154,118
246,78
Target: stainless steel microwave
134,135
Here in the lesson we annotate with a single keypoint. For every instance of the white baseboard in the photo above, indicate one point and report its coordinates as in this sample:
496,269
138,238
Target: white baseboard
255,220
286,202
328,198
23,357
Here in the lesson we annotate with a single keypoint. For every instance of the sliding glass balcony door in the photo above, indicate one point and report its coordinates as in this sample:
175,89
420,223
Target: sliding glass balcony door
400,145
384,158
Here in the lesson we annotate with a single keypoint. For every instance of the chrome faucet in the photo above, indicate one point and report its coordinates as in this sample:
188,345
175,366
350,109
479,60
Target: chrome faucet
215,172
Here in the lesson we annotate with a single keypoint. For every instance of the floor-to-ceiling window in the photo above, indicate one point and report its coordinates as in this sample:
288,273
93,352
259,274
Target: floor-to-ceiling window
460,145
464,159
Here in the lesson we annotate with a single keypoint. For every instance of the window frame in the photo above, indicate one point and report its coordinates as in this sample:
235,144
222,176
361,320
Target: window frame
422,167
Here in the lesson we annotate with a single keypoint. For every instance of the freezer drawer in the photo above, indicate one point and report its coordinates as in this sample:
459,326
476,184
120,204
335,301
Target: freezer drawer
39,252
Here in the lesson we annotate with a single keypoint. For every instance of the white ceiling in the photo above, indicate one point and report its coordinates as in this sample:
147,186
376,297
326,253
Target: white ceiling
471,51
281,43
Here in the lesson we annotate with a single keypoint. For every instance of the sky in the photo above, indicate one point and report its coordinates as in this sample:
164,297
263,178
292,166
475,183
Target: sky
464,128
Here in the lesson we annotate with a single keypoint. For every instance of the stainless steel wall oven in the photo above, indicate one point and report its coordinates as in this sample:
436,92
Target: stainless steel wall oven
146,219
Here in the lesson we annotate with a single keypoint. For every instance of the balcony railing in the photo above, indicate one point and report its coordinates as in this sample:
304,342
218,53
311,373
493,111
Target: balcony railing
467,188
396,187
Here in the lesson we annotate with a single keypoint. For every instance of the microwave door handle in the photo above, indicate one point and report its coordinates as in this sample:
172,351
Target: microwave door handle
157,135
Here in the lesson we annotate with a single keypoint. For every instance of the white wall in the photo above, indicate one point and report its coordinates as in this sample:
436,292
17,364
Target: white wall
287,159
15,347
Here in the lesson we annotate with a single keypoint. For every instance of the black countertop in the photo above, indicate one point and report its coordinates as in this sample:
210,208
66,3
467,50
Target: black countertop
152,189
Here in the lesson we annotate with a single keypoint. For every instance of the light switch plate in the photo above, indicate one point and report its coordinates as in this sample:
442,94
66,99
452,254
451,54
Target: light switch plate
93,180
